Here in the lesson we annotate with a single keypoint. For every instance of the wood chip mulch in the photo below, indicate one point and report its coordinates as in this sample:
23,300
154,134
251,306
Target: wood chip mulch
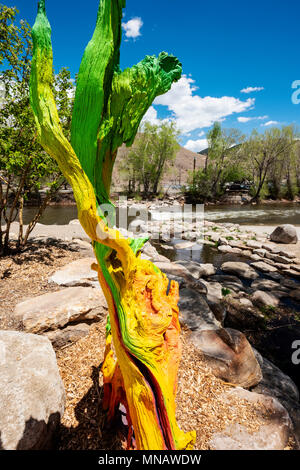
199,402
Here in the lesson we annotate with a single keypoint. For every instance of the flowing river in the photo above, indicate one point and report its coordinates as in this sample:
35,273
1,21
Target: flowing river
261,214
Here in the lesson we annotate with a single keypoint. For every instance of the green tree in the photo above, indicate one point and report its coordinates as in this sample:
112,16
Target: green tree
152,152
199,189
221,152
64,96
270,159
290,160
223,163
24,165
297,165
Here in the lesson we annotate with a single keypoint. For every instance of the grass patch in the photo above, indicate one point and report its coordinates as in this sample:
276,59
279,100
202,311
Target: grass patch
297,316
225,291
268,310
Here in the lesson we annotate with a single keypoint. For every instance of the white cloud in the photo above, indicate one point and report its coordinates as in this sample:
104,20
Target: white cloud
247,119
71,93
133,27
251,89
244,119
196,145
192,112
271,123
151,117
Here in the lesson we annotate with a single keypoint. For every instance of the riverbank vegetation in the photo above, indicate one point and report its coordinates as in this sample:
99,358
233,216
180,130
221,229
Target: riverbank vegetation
266,165
150,157
24,166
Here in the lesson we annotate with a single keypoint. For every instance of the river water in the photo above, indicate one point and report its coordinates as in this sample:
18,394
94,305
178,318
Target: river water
261,214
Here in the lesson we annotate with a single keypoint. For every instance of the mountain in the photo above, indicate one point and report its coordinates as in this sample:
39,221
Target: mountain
178,170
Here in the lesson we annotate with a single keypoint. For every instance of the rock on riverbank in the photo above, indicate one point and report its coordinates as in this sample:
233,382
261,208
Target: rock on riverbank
32,395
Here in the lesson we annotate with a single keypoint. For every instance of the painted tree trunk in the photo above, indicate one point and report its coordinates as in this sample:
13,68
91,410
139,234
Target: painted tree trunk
143,326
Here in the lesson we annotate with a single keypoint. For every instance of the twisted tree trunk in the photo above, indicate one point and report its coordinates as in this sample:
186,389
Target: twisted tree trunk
143,314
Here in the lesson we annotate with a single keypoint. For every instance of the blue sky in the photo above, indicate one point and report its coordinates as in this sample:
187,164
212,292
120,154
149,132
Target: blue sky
224,46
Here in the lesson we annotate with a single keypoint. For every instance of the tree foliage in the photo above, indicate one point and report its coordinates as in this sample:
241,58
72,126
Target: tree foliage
150,157
272,156
24,166
224,149
270,161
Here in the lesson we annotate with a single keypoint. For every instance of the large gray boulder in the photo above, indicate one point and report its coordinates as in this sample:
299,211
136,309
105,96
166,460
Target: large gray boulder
230,356
151,253
277,384
77,273
264,299
85,248
195,312
278,258
240,269
265,284
57,309
241,315
273,434
292,272
264,267
254,244
206,269
233,283
32,395
198,270
67,336
173,269
186,245
284,234
215,298
229,249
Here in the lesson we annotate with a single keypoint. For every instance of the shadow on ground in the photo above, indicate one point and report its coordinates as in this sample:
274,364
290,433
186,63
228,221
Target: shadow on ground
38,252
37,435
91,432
